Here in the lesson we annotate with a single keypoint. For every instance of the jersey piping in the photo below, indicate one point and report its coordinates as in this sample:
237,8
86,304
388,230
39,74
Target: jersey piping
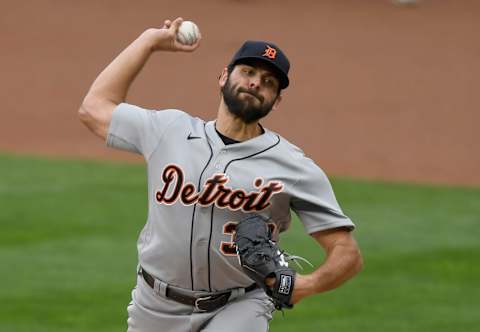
213,206
252,155
195,207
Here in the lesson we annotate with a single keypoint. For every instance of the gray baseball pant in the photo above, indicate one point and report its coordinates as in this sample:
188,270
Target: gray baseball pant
151,311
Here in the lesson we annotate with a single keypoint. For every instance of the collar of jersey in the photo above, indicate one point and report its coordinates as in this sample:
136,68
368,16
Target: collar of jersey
248,147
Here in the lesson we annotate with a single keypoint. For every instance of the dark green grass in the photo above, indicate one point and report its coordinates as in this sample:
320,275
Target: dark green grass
68,253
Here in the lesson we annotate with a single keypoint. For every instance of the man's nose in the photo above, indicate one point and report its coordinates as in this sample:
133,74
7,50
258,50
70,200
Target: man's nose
254,83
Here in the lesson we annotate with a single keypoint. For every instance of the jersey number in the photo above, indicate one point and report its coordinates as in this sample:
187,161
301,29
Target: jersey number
228,248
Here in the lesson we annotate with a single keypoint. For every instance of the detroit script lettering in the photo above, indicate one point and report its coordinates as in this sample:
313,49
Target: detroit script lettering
215,191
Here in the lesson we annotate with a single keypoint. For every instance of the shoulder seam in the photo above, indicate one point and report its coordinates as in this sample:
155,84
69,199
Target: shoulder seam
293,155
161,136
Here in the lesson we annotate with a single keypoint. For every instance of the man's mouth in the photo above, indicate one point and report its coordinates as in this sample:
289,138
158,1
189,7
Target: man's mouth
252,94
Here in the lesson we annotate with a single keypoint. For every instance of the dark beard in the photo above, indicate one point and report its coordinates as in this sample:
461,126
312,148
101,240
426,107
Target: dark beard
244,109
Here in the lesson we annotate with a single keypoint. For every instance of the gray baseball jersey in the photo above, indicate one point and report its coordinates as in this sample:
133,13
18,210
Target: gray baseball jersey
199,188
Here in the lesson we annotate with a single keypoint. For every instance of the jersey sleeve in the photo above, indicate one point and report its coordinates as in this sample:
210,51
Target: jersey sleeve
314,201
138,130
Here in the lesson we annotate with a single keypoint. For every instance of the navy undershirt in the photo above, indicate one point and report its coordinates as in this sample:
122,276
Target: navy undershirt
227,140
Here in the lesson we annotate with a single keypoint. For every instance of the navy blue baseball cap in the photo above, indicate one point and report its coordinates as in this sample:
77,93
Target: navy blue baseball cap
268,52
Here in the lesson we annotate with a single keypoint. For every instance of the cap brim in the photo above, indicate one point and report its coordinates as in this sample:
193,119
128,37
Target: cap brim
283,78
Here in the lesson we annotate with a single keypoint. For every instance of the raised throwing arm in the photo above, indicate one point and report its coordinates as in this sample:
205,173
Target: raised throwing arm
111,87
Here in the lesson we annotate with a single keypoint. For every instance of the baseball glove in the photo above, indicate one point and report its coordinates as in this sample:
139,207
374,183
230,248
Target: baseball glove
261,258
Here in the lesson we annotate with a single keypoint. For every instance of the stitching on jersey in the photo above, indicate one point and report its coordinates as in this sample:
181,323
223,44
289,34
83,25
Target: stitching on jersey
195,207
111,138
294,155
348,225
252,155
213,206
333,212
209,243
161,136
298,180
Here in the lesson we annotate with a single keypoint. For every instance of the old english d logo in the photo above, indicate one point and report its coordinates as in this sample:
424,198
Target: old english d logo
270,52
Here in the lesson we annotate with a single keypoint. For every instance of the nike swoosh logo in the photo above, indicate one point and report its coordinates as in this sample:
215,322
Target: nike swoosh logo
192,137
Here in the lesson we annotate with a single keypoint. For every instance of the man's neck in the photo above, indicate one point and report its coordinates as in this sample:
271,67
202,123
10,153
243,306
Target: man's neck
229,125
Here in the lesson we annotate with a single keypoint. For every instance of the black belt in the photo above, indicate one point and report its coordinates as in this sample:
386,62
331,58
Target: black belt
202,303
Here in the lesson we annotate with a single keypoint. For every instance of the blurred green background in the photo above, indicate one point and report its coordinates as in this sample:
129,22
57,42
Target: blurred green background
68,252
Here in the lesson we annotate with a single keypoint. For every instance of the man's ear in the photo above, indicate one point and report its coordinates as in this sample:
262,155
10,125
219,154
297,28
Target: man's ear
277,102
222,79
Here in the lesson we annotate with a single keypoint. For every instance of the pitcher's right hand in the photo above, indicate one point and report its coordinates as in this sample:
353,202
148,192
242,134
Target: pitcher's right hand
165,38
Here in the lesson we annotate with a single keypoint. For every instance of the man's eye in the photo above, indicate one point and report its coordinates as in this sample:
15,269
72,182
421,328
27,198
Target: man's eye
248,71
269,82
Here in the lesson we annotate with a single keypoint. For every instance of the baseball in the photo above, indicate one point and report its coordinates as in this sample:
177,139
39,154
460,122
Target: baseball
188,33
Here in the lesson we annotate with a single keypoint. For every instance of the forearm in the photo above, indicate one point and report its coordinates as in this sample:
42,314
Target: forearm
112,85
114,81
343,261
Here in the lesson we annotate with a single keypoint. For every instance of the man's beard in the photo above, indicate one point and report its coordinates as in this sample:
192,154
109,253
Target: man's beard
245,109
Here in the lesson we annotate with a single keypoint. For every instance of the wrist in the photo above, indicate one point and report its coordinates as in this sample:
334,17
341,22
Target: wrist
304,286
149,39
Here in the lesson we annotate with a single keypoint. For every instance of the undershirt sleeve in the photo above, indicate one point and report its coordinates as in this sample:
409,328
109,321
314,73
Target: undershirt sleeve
138,130
314,201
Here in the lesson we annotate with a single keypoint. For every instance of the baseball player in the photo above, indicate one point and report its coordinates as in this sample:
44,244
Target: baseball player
205,179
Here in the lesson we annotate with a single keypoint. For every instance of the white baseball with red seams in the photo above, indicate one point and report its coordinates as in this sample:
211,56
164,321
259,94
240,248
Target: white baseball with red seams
188,33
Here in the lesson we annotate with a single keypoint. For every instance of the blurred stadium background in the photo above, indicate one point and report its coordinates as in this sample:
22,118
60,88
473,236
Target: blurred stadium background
383,97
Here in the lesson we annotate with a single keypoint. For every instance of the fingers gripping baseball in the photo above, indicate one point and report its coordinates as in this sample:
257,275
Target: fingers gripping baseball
167,24
169,37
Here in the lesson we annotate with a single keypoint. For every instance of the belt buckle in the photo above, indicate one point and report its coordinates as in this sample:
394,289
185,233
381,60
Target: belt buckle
198,303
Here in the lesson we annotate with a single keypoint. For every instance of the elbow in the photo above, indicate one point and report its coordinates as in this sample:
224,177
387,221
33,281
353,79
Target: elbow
87,109
91,107
95,113
357,261
83,114
95,109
